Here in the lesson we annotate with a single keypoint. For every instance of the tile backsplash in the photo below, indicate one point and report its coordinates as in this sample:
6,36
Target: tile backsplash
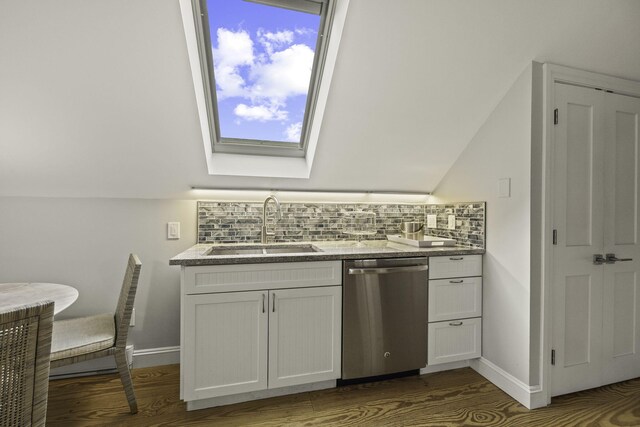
240,222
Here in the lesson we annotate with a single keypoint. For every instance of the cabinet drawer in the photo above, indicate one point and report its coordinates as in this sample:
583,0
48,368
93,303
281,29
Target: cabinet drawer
455,266
455,298
249,277
454,340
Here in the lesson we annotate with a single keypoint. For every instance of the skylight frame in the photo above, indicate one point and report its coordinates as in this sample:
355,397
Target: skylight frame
252,146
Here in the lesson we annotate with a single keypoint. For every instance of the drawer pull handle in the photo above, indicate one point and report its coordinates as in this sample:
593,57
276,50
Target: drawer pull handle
455,323
263,298
456,281
459,258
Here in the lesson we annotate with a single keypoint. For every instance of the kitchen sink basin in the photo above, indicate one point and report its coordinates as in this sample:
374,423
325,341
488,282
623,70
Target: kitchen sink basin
291,250
263,250
230,251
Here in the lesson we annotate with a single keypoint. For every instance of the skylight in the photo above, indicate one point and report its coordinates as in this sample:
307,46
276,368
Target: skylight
264,58
262,72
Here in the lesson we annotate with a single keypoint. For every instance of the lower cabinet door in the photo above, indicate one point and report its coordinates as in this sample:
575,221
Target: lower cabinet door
304,335
454,340
225,344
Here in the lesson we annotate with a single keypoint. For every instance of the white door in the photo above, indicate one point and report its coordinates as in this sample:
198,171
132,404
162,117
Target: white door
305,329
578,219
595,305
225,344
621,330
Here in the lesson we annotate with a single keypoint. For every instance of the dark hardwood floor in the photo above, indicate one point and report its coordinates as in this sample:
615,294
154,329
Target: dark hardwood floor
455,398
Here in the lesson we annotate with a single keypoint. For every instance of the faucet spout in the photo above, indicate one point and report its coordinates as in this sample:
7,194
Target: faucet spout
265,233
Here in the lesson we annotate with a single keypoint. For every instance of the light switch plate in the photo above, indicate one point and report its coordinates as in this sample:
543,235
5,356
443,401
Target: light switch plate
451,222
432,221
504,187
173,230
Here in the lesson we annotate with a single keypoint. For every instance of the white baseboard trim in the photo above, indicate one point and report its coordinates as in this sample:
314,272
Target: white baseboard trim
530,396
148,357
106,365
430,369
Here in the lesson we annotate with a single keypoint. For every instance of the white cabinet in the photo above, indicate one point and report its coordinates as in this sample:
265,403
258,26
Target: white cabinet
455,266
454,340
225,344
259,339
205,279
305,327
455,308
455,298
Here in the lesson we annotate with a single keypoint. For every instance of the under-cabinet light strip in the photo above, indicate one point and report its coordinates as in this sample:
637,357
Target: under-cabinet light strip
327,196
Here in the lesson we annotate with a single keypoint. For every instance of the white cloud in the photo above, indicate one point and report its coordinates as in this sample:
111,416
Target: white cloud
293,132
276,40
265,76
305,31
286,74
261,113
235,49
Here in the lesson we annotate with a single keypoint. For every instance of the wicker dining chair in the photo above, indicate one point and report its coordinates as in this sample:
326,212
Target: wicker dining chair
25,344
84,338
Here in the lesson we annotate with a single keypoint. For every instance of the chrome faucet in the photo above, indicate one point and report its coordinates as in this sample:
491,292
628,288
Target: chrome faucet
265,234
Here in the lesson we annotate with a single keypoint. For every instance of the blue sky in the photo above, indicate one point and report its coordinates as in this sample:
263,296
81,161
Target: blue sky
262,63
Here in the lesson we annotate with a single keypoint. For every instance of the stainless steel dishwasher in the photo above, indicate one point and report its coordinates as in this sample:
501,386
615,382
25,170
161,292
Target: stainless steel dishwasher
384,316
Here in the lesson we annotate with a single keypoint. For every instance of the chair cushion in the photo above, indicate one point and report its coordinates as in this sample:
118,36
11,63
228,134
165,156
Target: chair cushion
82,335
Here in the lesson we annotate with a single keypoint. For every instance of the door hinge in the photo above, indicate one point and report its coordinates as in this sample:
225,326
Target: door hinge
555,237
555,116
553,357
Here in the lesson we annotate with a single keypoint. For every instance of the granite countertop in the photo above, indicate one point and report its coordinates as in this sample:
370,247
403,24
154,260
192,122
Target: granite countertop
328,251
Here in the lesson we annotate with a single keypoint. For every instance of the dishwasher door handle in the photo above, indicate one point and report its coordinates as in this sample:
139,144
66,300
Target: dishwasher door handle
388,270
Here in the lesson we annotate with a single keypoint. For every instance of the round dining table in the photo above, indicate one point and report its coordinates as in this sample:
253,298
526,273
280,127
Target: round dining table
18,294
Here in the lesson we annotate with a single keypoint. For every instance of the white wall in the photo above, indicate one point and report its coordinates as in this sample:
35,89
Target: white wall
98,120
97,98
85,242
502,149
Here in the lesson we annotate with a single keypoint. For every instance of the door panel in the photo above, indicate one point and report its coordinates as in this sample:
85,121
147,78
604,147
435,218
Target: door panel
621,358
623,322
579,164
624,170
578,218
577,318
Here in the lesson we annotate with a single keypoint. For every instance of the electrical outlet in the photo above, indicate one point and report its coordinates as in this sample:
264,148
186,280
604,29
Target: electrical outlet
451,222
432,221
132,322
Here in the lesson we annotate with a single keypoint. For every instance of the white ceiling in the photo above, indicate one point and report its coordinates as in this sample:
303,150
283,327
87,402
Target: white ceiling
96,98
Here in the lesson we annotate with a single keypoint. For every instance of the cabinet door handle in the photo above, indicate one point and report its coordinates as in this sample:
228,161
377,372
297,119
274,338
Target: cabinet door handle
455,323
456,281
263,307
274,302
459,258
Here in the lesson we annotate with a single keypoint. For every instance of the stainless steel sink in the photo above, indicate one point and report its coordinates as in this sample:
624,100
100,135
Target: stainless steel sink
292,250
230,251
263,250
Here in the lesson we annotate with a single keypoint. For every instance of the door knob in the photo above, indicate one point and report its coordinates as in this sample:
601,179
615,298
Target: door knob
611,259
598,259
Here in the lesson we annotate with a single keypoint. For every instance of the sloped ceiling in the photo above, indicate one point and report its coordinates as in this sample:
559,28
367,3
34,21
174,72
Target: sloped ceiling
96,98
